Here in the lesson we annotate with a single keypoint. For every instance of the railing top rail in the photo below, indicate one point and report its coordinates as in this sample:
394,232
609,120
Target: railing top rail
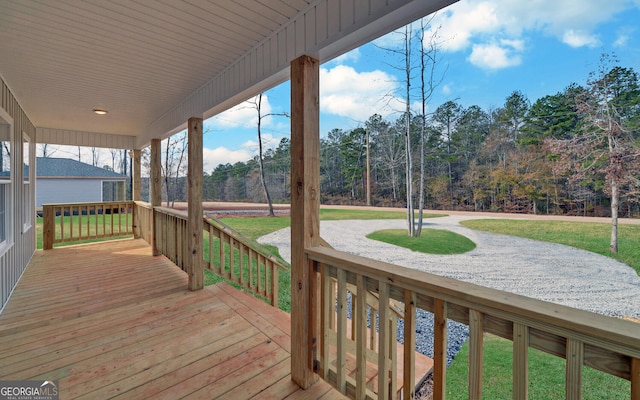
87,203
248,242
611,333
172,211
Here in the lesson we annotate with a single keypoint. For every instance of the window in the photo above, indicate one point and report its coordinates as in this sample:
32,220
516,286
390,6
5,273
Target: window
27,212
113,191
5,182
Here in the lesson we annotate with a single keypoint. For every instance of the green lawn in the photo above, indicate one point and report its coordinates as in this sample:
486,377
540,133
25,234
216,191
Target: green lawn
546,375
255,227
84,224
590,236
431,241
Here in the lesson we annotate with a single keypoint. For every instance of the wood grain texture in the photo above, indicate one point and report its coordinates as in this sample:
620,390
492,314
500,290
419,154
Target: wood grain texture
112,321
305,209
195,262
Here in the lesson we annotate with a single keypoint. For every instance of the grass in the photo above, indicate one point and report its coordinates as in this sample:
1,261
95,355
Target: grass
432,241
87,223
546,375
590,236
255,227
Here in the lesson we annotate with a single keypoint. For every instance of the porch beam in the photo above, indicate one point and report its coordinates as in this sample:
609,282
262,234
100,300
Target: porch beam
195,264
155,196
305,213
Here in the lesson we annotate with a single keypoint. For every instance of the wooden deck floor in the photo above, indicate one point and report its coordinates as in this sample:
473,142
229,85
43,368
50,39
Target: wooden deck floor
111,321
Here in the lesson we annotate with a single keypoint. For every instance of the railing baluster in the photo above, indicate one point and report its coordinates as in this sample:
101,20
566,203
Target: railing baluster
635,378
575,360
393,353
383,341
62,217
326,318
341,361
439,349
232,259
243,252
520,361
360,336
274,284
476,351
409,356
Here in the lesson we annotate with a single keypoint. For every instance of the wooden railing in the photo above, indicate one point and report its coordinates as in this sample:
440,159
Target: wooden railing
85,221
607,344
171,234
241,260
226,252
143,220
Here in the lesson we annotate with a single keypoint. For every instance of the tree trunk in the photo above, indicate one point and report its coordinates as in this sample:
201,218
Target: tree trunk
262,177
615,196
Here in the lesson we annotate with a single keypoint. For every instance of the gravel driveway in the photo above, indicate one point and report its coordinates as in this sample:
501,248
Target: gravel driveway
545,271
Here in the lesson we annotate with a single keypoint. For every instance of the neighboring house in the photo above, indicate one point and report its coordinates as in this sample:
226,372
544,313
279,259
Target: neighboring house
62,180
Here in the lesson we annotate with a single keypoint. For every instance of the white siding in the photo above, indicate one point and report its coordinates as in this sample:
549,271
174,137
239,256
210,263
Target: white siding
53,191
15,259
87,139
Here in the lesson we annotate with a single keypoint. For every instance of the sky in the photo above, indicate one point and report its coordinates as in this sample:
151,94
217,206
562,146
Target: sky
487,50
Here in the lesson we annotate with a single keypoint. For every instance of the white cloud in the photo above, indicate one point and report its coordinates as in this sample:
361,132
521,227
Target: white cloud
221,155
351,56
580,39
460,22
621,41
268,142
244,115
480,24
446,89
356,95
493,56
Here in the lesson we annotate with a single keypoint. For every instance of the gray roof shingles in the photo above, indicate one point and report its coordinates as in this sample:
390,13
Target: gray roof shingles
66,167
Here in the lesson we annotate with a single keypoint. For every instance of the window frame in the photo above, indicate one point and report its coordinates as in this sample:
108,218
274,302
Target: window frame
27,195
6,122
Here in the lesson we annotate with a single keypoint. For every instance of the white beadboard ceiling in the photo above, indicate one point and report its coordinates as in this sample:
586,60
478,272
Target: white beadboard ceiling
154,63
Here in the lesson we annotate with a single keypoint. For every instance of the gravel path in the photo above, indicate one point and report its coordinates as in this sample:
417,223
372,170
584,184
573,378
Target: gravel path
546,271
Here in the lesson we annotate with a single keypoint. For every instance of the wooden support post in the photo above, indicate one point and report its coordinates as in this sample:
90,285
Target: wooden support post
195,260
48,226
305,212
136,193
137,174
155,195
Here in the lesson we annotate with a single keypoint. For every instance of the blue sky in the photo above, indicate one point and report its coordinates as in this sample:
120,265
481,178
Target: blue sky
488,49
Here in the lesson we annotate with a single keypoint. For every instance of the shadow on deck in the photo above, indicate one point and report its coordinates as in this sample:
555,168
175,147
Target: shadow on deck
110,320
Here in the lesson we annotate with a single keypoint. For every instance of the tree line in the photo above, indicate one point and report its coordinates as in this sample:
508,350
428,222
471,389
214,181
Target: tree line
557,155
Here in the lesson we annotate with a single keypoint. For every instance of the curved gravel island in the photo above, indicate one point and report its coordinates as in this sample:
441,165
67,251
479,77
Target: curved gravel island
545,271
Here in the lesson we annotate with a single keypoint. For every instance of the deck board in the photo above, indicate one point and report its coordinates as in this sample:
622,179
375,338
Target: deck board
109,320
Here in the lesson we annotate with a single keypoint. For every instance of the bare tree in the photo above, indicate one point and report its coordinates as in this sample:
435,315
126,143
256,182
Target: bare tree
605,148
95,157
257,103
174,164
428,61
47,150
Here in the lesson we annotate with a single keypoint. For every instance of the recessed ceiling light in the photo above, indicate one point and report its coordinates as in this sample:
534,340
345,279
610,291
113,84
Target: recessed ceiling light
100,112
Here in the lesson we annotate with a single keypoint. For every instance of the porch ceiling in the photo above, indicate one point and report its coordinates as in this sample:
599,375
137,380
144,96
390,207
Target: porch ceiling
154,63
